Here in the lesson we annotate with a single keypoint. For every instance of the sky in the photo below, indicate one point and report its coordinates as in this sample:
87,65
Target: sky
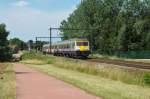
27,19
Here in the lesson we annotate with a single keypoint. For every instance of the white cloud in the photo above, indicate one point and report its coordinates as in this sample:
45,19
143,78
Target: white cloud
20,3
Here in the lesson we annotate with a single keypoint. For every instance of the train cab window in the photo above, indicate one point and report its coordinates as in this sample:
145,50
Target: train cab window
82,43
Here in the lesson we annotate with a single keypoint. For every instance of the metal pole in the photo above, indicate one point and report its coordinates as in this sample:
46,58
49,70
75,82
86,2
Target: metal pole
36,45
50,40
91,43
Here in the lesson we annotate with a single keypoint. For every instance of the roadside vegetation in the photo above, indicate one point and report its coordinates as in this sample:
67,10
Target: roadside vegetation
38,59
113,72
7,82
104,80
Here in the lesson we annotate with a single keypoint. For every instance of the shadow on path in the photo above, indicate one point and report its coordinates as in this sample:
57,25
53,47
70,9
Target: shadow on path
22,73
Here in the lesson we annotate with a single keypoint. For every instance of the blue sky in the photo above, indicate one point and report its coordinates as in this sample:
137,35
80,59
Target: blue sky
27,19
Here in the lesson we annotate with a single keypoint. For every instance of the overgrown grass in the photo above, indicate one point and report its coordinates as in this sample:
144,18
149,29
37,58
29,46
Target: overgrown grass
129,76
105,88
36,58
7,82
99,56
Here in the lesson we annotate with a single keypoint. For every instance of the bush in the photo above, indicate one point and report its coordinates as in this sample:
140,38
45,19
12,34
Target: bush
6,54
147,78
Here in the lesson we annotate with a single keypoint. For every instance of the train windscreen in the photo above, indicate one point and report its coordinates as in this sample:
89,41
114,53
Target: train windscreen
82,43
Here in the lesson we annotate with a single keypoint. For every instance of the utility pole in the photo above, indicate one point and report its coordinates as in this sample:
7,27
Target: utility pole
50,40
36,45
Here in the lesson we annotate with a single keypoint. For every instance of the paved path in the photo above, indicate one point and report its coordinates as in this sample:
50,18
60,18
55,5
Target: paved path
34,85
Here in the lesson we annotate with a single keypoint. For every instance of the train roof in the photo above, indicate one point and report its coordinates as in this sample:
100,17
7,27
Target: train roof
66,41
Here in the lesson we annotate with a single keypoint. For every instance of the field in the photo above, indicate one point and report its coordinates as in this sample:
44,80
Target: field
7,82
106,81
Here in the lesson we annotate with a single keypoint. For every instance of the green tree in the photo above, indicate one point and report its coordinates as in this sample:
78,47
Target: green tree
5,53
16,44
121,25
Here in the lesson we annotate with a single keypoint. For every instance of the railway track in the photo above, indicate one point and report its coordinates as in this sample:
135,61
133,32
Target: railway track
123,63
138,65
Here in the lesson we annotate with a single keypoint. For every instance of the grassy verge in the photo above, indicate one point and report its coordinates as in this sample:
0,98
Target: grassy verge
7,82
98,56
126,75
129,76
102,87
38,59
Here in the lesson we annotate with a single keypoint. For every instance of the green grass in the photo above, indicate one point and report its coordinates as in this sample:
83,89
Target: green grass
102,87
129,76
104,80
7,82
38,59
99,56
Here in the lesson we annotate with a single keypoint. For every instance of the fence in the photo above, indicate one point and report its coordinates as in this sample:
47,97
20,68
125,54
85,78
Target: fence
130,54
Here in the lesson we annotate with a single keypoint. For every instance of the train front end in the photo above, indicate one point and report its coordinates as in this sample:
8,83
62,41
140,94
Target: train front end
82,48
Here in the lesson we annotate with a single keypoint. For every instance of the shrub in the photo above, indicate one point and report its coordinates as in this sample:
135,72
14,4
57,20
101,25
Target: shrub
147,78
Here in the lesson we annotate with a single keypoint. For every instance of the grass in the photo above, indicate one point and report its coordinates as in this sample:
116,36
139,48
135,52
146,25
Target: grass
99,56
113,72
126,75
104,80
139,60
34,58
7,82
102,87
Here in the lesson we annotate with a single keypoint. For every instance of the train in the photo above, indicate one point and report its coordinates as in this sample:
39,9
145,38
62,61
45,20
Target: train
77,47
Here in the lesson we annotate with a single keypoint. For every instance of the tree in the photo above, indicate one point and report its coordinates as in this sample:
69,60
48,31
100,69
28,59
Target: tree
39,45
121,25
5,53
16,44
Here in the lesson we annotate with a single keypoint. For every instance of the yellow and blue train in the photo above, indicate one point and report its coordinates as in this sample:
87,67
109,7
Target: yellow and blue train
77,47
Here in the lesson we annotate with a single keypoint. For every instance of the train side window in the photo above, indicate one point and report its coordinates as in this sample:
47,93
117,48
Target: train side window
67,45
73,45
